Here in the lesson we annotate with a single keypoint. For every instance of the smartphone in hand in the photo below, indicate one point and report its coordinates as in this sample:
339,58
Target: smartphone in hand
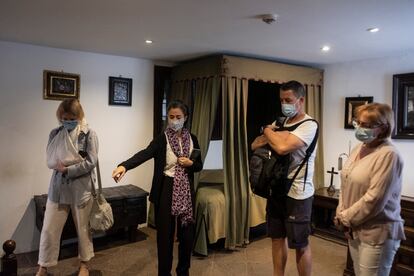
196,153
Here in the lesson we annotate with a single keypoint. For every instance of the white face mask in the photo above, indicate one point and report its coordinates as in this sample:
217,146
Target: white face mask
176,125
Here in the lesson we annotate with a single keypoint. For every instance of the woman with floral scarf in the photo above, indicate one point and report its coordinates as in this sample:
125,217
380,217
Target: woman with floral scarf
176,153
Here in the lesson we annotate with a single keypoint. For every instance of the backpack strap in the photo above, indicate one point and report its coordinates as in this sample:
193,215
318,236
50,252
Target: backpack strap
309,150
308,153
295,126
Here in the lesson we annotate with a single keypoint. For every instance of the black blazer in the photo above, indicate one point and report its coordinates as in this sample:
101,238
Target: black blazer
157,149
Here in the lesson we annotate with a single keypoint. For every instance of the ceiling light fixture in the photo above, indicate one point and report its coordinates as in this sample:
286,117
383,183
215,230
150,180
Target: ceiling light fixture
325,48
148,41
373,30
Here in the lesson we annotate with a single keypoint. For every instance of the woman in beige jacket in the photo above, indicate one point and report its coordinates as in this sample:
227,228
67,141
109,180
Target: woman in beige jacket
369,203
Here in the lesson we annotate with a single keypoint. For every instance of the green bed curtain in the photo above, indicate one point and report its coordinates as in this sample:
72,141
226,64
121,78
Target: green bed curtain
182,90
313,107
206,97
235,161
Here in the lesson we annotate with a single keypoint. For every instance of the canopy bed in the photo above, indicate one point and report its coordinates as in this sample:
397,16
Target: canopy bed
223,86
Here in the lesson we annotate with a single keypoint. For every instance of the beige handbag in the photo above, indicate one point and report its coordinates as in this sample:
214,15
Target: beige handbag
101,217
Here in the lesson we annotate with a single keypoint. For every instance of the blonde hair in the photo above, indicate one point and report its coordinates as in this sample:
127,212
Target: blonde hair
72,107
379,114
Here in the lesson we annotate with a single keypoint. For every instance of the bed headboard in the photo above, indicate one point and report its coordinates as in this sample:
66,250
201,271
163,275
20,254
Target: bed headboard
212,176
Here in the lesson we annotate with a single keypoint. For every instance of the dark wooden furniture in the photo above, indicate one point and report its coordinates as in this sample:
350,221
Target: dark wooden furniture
404,259
129,207
324,206
9,261
323,213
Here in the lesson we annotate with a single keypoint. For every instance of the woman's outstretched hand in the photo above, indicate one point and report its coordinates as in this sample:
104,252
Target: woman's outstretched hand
118,173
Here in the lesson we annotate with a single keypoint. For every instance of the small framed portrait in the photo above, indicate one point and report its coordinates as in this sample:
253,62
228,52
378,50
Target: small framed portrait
60,85
350,104
120,91
403,106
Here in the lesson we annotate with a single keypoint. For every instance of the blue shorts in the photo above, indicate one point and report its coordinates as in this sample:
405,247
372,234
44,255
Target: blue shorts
289,218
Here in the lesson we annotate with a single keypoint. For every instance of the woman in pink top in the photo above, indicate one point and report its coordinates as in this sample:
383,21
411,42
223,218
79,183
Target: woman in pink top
369,203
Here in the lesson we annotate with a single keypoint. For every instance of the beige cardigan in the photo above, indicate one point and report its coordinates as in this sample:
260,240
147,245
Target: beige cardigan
370,196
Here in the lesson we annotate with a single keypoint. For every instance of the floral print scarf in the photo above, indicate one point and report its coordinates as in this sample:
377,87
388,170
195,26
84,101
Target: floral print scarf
181,196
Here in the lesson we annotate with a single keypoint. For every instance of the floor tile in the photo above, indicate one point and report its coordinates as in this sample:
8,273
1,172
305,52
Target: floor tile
117,256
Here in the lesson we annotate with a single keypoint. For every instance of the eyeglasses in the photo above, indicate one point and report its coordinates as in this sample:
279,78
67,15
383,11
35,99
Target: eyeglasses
357,124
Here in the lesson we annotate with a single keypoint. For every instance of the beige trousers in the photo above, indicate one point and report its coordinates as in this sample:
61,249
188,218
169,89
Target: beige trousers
53,223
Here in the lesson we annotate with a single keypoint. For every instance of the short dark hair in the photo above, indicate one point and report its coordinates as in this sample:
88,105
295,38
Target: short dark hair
295,86
178,104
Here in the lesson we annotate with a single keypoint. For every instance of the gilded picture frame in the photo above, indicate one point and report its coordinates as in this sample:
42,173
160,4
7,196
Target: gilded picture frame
60,85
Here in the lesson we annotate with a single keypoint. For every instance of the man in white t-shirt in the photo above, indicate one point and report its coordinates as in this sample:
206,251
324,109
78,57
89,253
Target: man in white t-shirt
288,217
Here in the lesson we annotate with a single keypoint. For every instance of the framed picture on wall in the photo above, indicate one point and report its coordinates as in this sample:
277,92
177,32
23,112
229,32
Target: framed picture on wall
403,106
60,85
350,104
120,91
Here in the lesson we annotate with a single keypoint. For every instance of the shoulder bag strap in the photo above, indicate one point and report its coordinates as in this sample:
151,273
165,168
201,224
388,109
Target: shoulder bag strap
98,172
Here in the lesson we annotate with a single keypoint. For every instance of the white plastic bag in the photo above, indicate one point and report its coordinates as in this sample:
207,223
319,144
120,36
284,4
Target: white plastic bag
62,149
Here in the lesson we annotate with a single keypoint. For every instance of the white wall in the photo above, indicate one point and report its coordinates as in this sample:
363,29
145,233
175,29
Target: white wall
366,78
26,120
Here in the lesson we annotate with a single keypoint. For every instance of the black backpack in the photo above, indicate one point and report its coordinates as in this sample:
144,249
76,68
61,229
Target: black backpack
269,170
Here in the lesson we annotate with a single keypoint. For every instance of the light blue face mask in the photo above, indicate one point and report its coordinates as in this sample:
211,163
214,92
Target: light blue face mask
365,135
70,124
289,110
